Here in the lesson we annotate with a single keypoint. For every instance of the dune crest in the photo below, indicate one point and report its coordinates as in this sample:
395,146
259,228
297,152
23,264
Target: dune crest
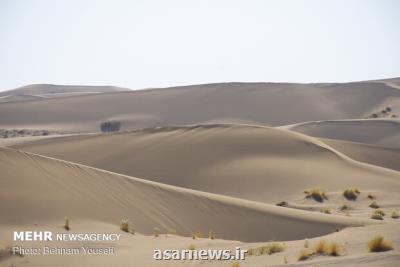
383,132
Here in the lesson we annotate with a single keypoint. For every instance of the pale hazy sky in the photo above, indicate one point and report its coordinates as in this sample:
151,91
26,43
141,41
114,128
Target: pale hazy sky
140,44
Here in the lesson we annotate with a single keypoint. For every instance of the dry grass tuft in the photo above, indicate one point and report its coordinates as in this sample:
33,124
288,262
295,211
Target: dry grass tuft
275,248
328,249
306,245
250,252
211,235
156,231
333,249
235,264
345,207
319,247
379,211
191,247
66,223
377,214
317,194
305,254
351,193
285,260
379,244
327,211
269,249
370,196
374,205
395,215
124,225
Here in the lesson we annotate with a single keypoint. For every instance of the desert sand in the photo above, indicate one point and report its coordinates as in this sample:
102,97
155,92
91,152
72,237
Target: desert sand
205,158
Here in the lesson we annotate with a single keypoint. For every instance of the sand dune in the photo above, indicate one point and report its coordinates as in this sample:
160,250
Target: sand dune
42,91
272,104
13,98
256,163
203,173
45,190
383,132
377,155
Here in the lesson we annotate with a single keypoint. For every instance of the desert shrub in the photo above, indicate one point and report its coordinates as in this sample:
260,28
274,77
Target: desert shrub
317,194
374,205
110,126
379,244
370,196
388,109
327,210
66,223
374,115
211,235
235,264
351,193
306,243
394,116
282,204
345,207
191,247
156,231
285,260
395,215
124,225
377,214
379,211
305,254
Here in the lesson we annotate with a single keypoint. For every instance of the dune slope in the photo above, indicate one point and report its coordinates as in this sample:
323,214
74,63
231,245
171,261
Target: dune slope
256,163
43,190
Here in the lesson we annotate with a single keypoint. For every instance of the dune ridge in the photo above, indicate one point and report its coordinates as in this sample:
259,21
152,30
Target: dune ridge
382,132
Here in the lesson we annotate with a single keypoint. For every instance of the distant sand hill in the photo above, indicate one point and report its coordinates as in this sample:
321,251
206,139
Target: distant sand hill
43,91
273,104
